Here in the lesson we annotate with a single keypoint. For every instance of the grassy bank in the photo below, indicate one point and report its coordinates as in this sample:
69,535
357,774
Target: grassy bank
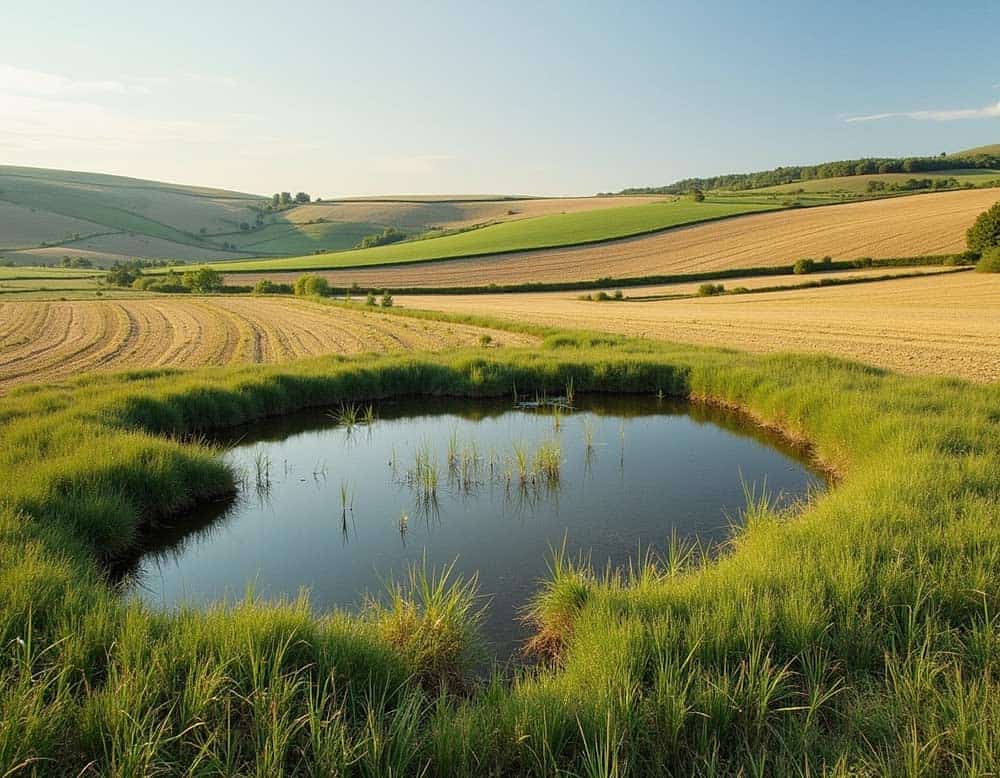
859,637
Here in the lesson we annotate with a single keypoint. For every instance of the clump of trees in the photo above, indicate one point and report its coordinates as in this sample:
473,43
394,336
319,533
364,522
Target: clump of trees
913,184
384,238
264,286
808,265
172,282
282,200
124,273
711,290
311,286
985,231
204,279
76,262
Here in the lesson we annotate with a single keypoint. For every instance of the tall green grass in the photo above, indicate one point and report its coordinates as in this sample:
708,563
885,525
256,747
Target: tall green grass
857,636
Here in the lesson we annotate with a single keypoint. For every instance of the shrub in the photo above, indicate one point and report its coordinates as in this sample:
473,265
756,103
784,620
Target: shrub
602,296
619,294
309,285
804,266
204,279
264,286
386,300
990,262
370,299
739,290
863,262
384,238
711,290
485,339
965,258
985,231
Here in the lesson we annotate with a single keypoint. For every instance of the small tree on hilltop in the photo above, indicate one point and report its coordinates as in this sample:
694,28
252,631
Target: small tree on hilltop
985,231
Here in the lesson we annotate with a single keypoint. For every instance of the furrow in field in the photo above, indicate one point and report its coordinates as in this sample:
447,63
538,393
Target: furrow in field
56,340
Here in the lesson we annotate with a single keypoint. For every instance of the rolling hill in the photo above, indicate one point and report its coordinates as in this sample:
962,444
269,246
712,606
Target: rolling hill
562,229
927,224
48,214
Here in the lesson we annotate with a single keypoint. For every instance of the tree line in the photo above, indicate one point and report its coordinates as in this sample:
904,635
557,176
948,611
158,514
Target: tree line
796,173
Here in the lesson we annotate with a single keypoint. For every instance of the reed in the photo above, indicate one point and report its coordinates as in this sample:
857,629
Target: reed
548,462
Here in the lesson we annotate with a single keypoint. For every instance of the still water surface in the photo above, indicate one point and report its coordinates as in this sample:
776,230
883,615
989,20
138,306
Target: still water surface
632,471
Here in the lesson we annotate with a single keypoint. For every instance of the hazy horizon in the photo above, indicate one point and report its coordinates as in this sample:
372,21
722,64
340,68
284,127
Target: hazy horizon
342,101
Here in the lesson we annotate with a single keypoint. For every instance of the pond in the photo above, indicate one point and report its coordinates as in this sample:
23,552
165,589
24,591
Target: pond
341,508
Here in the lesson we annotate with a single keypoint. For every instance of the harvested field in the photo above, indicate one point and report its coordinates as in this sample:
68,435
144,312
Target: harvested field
562,229
937,325
896,227
417,216
47,341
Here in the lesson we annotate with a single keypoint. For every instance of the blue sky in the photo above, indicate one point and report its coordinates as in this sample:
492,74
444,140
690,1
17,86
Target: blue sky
541,98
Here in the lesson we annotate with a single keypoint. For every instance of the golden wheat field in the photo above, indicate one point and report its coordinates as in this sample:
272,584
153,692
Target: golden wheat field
937,324
52,340
896,227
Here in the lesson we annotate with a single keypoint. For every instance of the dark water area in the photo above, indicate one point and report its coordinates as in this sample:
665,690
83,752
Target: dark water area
340,511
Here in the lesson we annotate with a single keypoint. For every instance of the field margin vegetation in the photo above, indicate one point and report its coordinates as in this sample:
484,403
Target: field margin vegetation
858,636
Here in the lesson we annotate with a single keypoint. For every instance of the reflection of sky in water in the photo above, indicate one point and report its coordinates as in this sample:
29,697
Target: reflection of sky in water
655,467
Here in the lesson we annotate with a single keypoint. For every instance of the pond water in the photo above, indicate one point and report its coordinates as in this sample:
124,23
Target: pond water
340,510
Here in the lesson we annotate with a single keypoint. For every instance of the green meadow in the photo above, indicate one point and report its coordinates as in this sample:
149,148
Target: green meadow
537,233
856,634
859,184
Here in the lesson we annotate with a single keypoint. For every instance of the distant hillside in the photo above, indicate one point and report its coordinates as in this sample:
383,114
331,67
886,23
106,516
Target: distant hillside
54,216
979,151
982,158
48,214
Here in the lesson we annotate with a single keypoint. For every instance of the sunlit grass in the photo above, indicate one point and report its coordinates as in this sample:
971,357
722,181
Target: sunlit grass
858,635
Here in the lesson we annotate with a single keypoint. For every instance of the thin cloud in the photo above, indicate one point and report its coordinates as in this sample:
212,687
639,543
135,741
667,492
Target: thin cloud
22,81
44,123
989,112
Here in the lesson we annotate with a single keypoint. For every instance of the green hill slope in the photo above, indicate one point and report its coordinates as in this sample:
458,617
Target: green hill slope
47,212
540,232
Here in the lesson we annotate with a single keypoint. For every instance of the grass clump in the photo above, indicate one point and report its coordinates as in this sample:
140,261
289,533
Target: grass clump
433,618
